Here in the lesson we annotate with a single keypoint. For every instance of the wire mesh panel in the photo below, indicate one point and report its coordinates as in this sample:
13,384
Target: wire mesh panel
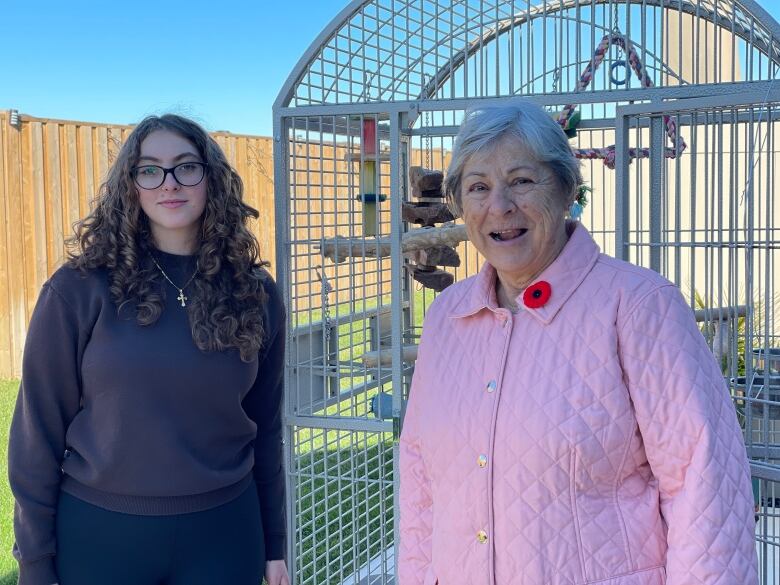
338,188
339,289
709,221
344,490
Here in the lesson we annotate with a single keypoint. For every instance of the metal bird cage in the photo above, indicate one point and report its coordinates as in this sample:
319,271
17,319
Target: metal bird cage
673,107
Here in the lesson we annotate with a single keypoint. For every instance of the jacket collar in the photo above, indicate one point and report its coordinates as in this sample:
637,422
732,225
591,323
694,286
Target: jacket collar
565,274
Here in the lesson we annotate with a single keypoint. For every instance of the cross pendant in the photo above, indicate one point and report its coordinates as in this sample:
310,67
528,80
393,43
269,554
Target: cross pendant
182,298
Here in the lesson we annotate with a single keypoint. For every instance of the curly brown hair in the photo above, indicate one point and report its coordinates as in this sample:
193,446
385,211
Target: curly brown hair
228,292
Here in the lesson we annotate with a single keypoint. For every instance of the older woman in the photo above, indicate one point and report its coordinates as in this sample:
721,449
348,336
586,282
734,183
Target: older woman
567,423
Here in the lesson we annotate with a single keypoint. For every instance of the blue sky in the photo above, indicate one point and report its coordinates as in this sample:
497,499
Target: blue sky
222,62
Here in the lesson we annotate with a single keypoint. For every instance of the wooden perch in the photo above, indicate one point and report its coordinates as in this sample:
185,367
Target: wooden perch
425,183
431,277
720,317
720,313
449,234
426,214
339,248
437,256
384,357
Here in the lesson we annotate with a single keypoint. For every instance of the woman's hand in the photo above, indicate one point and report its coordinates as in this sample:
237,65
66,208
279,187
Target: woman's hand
276,573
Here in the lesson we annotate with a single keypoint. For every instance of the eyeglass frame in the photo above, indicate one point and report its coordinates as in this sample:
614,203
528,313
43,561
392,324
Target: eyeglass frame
171,171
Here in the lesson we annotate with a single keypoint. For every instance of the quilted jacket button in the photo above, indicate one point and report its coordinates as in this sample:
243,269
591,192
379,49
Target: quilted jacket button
482,460
482,536
491,386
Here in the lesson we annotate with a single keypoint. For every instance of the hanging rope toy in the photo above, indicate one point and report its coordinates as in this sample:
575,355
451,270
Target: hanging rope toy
570,125
608,153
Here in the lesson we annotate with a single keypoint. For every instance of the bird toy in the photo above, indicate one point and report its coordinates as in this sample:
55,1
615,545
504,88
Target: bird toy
568,118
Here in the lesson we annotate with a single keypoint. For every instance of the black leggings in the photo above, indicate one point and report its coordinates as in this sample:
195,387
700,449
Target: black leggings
214,547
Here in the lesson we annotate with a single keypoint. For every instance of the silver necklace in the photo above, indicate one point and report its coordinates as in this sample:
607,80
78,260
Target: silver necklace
181,298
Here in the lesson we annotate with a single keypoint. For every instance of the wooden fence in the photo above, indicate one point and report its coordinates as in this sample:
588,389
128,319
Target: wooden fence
50,170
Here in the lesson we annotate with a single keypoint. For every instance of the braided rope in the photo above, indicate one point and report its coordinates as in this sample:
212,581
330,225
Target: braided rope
608,153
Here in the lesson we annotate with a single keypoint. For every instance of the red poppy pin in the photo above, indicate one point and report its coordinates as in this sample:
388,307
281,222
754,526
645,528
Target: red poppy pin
537,294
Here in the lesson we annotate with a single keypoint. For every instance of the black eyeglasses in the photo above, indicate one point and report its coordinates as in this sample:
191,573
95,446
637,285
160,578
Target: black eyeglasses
187,174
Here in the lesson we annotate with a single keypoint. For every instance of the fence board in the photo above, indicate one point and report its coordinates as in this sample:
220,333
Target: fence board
31,217
70,171
14,226
86,172
6,362
51,199
100,147
34,206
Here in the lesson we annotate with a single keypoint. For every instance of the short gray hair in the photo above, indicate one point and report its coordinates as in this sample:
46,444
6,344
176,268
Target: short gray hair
529,123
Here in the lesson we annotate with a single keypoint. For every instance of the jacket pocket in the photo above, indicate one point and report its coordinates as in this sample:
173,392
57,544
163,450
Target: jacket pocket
651,576
601,540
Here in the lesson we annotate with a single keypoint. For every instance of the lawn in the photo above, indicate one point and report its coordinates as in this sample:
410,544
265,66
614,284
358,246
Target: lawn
8,573
344,504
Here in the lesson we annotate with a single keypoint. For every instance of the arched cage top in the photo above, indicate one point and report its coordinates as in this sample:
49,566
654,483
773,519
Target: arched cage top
402,50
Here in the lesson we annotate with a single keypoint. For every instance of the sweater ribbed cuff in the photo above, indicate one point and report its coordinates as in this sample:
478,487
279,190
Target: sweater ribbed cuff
40,572
274,547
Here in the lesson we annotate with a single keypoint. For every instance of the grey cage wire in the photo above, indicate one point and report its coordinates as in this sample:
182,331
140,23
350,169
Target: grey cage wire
383,89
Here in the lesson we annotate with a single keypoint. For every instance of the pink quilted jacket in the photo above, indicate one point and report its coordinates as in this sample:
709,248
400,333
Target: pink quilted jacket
591,440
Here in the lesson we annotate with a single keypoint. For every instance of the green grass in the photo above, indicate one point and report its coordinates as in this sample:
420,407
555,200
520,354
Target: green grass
344,504
8,572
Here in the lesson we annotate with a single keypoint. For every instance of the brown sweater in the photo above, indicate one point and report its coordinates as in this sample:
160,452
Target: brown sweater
137,419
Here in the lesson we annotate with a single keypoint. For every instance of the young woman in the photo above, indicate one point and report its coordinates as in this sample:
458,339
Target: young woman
146,444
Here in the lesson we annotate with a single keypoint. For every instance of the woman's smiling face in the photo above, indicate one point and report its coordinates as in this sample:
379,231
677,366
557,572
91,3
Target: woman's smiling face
514,211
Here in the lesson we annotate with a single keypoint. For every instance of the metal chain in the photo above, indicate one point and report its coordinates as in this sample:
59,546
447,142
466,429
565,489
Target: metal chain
616,30
615,27
181,298
619,59
325,290
427,144
558,58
